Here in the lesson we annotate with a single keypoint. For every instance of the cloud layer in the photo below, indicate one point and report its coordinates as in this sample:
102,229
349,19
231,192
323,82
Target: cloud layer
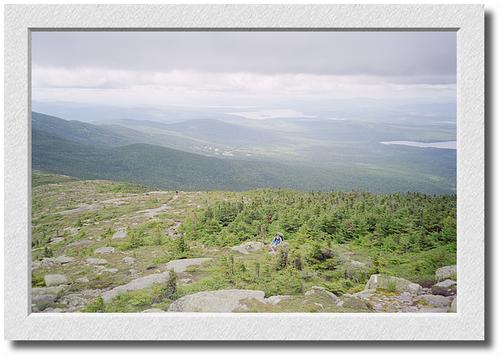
241,68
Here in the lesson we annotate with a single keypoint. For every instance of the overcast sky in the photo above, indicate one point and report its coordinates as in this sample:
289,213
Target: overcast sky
241,69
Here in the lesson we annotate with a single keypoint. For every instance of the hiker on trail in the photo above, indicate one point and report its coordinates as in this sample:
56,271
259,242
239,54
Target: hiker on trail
277,241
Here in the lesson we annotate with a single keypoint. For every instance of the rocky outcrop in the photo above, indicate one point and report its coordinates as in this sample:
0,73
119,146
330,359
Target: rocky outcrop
216,301
446,288
392,283
181,265
136,284
248,247
446,272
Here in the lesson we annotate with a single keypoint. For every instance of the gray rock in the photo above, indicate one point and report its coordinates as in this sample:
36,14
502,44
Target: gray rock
105,250
453,305
320,290
136,284
96,261
45,263
248,247
64,259
365,294
274,300
438,301
353,302
392,283
110,270
57,239
82,280
73,300
55,291
446,288
41,302
120,234
55,279
216,301
446,272
182,264
128,260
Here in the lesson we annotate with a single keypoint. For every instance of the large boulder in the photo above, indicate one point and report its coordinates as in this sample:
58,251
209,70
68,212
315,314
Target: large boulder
55,279
446,288
248,247
392,283
446,272
181,265
137,284
216,301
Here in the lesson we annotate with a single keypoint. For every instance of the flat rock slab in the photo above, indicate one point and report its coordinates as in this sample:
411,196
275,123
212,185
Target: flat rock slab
215,301
81,208
137,284
248,247
150,213
182,264
55,279
105,250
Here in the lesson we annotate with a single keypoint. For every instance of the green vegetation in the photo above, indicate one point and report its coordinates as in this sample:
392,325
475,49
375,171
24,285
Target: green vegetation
331,239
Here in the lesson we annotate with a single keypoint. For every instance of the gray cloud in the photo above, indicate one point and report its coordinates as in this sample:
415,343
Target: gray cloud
406,57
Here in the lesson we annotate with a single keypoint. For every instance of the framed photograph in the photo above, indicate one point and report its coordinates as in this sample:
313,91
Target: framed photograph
244,172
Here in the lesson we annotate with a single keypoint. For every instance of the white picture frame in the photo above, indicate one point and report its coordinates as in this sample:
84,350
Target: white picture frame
467,324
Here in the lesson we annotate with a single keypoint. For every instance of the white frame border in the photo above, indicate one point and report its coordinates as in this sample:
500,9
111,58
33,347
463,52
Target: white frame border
466,324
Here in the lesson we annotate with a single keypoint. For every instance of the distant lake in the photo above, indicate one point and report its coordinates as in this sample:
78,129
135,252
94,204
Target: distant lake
452,145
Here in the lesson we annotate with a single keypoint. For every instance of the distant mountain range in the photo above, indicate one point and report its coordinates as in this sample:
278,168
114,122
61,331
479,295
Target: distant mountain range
177,156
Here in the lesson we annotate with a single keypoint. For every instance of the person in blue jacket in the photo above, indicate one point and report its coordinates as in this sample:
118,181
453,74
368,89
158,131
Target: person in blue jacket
277,241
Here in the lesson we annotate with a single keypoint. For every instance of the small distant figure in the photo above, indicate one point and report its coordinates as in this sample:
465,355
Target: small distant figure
276,242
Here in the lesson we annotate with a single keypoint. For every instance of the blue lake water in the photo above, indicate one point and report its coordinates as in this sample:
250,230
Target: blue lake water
450,145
